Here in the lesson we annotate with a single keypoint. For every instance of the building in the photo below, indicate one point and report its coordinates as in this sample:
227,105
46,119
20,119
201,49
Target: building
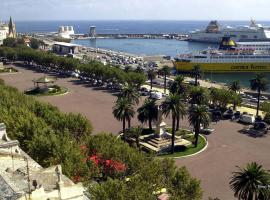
21,178
7,30
65,32
65,48
93,33
11,29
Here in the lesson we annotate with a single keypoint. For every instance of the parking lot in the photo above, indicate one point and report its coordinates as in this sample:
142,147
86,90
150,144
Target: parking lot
227,146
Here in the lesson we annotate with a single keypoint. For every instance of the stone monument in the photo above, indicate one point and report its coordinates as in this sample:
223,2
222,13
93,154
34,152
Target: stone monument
160,125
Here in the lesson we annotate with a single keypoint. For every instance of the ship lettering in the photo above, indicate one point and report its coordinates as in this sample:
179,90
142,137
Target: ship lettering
239,67
258,67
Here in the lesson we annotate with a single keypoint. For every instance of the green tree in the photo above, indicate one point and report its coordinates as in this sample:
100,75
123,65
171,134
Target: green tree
123,111
10,42
165,71
34,43
131,93
196,73
148,112
198,115
151,76
135,133
259,83
235,87
199,96
179,87
247,181
172,105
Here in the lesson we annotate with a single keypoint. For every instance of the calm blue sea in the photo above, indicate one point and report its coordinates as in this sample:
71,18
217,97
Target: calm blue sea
142,46
120,27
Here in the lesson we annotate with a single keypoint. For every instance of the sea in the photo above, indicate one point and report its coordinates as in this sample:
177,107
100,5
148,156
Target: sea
142,47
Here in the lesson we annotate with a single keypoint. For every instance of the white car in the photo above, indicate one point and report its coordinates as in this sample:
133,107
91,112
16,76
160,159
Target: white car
263,98
247,118
156,95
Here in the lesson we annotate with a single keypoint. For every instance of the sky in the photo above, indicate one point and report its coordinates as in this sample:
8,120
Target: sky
135,9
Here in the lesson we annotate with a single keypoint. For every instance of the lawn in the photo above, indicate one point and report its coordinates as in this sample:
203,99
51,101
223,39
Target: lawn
8,70
188,151
54,90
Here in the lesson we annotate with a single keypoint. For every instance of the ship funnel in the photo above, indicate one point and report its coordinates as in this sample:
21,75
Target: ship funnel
227,44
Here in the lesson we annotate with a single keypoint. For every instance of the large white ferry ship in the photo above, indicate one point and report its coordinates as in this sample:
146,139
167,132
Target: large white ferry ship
230,57
214,33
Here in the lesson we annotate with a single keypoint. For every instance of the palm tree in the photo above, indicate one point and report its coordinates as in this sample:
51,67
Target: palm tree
172,105
199,95
165,71
196,72
131,93
123,111
198,115
178,86
151,75
148,112
235,87
259,83
246,182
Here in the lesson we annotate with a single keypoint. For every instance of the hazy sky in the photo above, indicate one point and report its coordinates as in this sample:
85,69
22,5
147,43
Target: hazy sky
135,9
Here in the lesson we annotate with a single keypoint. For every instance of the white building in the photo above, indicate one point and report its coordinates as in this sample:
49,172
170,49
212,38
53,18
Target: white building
65,48
3,32
65,32
21,178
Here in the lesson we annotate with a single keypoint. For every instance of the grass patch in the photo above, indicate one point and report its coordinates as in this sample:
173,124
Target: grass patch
8,70
53,90
189,150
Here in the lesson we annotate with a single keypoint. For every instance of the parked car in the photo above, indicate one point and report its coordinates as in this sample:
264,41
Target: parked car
263,98
247,119
207,131
228,114
155,95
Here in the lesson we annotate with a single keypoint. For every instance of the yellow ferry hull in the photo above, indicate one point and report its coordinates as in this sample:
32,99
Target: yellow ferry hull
223,67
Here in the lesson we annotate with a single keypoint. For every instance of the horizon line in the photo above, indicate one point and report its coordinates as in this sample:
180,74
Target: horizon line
203,20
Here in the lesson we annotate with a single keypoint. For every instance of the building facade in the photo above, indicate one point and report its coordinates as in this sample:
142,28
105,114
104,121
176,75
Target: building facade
21,178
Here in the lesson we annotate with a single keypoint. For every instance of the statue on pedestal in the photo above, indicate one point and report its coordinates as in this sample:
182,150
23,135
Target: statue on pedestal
161,125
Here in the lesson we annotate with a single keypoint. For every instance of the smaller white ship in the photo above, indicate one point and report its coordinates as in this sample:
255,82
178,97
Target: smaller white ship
66,32
214,33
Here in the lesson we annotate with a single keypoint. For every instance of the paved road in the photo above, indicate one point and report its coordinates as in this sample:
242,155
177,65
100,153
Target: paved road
227,147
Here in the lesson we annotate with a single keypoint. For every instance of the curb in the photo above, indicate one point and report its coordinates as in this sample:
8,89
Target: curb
203,149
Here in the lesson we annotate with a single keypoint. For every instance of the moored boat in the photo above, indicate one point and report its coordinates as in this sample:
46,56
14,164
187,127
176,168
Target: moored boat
228,58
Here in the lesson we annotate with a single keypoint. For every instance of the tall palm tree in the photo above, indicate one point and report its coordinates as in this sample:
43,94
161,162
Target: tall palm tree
235,87
123,111
198,115
247,181
151,75
148,112
131,93
260,84
198,95
172,105
165,71
196,73
179,87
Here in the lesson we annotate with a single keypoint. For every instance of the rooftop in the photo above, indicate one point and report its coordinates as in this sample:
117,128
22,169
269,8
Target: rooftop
66,44
18,172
